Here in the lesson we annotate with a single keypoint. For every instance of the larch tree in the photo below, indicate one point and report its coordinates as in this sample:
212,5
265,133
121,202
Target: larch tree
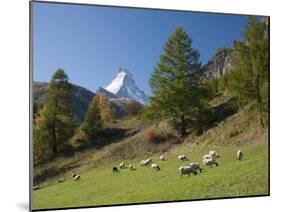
55,125
178,94
248,80
92,123
107,112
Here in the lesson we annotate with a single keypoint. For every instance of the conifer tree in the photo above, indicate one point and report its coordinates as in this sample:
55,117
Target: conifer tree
41,135
92,123
175,83
55,124
249,77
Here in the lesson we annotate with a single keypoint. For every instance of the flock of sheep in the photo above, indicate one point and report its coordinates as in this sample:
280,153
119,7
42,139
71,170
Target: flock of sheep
209,159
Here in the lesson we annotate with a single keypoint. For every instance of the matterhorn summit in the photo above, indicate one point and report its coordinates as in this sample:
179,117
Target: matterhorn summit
123,85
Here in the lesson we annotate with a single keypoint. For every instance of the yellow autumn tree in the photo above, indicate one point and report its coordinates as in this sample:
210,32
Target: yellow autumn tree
107,112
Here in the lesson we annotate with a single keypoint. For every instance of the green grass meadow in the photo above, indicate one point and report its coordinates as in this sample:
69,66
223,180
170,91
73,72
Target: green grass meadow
100,186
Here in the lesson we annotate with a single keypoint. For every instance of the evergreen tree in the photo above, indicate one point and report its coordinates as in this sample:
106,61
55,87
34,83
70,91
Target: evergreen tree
249,77
93,122
42,138
55,122
175,83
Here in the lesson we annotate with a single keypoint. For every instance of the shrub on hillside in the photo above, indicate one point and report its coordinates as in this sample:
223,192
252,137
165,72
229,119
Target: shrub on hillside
153,136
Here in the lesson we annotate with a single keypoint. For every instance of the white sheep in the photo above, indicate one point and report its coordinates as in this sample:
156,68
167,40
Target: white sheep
142,163
186,170
131,167
73,174
196,166
210,162
182,157
77,177
207,157
239,155
162,157
122,165
146,162
214,154
155,166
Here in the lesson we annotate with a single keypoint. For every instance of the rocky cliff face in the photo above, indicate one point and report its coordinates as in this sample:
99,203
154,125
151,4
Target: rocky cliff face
225,58
220,63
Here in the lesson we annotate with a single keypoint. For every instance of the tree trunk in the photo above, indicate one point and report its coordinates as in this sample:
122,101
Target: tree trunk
259,102
260,111
54,137
183,130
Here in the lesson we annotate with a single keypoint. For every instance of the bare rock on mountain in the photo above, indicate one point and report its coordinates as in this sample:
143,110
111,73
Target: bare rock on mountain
220,63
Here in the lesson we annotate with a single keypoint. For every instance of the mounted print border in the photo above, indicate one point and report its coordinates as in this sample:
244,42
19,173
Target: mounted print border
132,105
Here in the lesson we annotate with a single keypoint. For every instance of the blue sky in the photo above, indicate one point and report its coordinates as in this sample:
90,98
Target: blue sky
90,43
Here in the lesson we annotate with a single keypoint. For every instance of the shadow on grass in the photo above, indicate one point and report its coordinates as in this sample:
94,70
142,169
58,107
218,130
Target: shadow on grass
105,137
219,113
51,172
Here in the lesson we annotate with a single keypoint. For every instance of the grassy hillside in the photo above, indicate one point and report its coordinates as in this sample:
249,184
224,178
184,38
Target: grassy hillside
99,186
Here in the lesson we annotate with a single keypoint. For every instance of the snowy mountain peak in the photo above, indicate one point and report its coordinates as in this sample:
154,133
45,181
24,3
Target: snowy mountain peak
123,71
123,85
119,80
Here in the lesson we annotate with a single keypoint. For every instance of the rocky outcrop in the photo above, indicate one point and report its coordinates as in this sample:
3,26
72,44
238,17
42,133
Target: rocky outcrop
220,63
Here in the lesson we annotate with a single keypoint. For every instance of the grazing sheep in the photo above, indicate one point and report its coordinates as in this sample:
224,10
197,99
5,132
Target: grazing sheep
182,157
131,167
239,155
142,162
210,162
207,157
114,169
122,165
186,170
73,174
146,162
155,166
196,166
214,154
77,177
162,157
